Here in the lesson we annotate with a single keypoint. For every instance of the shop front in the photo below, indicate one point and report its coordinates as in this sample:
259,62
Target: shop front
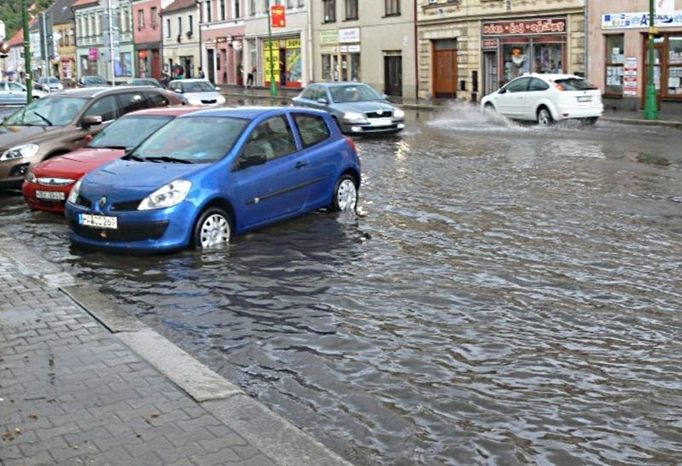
223,53
282,62
148,60
340,54
512,48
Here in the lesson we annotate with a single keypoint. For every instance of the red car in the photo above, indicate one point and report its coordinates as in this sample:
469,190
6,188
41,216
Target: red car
48,184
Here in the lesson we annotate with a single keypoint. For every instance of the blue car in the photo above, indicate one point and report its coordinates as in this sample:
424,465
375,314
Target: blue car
211,174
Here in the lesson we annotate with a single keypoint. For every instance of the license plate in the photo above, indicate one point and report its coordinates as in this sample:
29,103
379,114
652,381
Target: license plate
51,195
586,98
98,221
381,122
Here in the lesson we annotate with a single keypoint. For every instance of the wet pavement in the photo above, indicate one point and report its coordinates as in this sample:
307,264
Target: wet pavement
507,295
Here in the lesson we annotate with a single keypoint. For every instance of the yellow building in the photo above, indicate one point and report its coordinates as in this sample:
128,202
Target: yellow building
63,30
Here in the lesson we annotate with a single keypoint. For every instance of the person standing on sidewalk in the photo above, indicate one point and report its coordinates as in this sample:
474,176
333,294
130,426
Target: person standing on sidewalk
250,77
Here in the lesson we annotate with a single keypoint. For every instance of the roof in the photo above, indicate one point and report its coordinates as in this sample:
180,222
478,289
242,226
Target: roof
61,11
179,5
80,3
17,38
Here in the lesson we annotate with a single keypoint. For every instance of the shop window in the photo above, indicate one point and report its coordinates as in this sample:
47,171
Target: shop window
327,67
355,67
351,10
615,59
675,66
516,61
329,9
548,58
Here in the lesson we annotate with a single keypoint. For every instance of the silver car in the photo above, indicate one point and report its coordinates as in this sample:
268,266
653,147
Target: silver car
12,93
356,107
197,91
50,84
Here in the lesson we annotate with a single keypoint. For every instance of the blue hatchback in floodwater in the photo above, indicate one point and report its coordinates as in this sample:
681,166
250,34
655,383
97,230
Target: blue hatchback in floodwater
211,174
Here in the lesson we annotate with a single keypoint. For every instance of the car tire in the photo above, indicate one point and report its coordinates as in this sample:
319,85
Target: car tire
345,195
489,108
544,117
214,228
590,121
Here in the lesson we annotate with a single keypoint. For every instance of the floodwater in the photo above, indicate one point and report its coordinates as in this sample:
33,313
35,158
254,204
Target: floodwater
506,295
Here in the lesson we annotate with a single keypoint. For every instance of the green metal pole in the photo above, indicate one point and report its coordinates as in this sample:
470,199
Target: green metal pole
27,52
273,85
651,106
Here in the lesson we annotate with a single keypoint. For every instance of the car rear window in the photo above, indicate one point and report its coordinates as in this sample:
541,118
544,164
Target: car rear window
576,84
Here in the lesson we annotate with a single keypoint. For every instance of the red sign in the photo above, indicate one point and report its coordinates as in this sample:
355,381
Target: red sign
518,28
279,17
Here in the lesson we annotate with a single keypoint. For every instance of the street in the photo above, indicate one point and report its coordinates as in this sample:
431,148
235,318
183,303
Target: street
506,295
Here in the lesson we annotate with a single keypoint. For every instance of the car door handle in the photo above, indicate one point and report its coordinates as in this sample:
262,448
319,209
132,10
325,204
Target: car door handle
300,165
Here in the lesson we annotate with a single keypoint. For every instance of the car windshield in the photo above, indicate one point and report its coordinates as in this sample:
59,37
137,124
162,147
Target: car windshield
94,80
198,86
128,132
145,82
50,80
192,140
576,84
48,111
354,93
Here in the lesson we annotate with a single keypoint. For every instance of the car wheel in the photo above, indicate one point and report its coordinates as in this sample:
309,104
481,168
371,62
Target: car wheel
544,117
489,107
590,121
345,195
212,229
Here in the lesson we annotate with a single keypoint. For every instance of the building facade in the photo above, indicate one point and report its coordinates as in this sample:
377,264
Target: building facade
14,64
618,57
222,40
373,42
93,46
470,48
288,60
181,39
64,36
147,37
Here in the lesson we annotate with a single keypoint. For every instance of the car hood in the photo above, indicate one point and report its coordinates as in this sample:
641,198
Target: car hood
209,95
124,180
76,164
364,107
11,136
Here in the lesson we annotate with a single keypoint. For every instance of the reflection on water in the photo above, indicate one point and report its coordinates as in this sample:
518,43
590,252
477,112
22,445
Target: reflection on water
502,298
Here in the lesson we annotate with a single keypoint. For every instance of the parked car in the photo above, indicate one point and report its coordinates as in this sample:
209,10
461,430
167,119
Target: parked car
211,174
197,91
14,93
62,122
49,183
50,84
145,82
92,81
546,98
356,107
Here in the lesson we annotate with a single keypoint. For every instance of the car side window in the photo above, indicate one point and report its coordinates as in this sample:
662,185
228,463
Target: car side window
104,107
131,101
313,129
519,85
272,138
156,99
309,93
538,85
15,87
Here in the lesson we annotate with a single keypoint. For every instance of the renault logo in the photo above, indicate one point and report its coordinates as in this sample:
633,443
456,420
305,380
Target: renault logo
103,201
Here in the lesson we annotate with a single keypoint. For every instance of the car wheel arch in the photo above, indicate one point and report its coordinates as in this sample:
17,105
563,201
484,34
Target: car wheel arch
220,203
549,106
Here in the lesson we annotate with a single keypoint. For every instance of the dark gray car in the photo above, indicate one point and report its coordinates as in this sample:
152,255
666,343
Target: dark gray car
357,107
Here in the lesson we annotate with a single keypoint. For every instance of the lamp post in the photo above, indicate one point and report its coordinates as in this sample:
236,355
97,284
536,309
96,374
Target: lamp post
651,106
27,52
273,85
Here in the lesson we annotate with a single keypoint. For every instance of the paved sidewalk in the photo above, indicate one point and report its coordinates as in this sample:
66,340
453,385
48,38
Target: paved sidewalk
72,392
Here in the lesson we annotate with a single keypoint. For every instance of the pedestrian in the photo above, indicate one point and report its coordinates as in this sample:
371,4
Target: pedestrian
250,77
202,75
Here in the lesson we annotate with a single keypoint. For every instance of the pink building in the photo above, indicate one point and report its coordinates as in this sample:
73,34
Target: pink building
147,37
618,58
222,40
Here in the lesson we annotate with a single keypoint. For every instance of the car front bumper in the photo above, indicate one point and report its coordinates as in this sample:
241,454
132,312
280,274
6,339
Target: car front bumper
365,127
31,193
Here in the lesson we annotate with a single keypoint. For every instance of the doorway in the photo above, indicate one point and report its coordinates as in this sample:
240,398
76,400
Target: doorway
210,57
444,65
393,75
492,80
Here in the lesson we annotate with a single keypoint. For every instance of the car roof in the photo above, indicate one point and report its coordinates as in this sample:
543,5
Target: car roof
343,83
88,92
193,80
553,76
251,113
166,111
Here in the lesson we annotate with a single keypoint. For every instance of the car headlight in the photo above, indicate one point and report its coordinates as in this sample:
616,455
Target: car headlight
75,192
221,99
167,196
31,177
26,150
194,101
398,113
352,116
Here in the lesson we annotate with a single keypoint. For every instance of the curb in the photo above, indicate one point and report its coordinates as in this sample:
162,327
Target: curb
274,436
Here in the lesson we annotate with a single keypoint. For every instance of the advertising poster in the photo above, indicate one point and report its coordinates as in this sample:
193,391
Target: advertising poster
294,69
630,77
271,61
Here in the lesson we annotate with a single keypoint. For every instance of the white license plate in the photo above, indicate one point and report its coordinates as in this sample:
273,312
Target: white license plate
586,98
98,221
381,122
51,195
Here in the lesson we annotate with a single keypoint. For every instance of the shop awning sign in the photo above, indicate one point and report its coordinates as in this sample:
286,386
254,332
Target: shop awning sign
522,28
640,20
279,18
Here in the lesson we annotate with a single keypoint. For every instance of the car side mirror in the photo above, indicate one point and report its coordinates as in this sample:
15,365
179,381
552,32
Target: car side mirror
322,101
179,91
251,160
502,91
216,88
91,120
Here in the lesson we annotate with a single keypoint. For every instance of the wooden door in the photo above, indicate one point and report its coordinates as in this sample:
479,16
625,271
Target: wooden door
444,73
393,75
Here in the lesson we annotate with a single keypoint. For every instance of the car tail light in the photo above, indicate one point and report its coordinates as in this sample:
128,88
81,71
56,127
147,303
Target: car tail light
351,143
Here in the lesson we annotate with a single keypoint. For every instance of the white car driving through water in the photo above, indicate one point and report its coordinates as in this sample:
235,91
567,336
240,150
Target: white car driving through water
546,98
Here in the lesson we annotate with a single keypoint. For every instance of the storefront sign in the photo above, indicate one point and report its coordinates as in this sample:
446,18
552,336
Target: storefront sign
279,19
519,28
630,76
349,35
354,48
640,20
93,54
329,36
489,44
293,43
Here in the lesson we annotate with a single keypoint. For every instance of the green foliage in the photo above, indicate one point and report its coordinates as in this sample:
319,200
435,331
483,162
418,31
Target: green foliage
10,13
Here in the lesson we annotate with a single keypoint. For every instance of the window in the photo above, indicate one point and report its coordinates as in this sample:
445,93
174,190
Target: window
309,93
154,16
209,18
104,107
351,9
674,86
179,26
538,85
140,19
518,85
252,7
168,27
392,7
313,129
237,8
222,10
329,9
272,138
615,59
190,25
156,99
131,102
